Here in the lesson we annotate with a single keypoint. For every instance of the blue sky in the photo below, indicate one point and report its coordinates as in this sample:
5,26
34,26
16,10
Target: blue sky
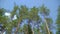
51,4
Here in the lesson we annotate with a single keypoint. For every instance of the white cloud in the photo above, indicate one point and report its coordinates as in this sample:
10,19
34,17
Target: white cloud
7,14
14,17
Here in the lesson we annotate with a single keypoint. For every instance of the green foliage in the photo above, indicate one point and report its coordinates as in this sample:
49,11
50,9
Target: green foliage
49,22
33,14
29,30
58,21
25,29
14,23
44,10
2,11
58,17
23,11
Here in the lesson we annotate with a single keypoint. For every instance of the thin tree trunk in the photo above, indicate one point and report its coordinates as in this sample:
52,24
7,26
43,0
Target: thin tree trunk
33,29
47,27
33,32
26,30
19,21
39,30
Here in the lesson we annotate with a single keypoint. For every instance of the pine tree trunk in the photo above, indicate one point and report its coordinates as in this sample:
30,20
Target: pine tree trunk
17,28
47,27
33,30
38,30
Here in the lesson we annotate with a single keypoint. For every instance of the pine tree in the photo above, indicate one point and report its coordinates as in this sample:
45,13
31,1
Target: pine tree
44,11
